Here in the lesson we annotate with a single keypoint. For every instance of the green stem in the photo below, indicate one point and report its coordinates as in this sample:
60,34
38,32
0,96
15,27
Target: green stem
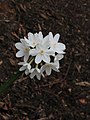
9,82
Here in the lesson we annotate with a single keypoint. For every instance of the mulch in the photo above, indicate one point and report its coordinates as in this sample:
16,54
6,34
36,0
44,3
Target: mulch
60,96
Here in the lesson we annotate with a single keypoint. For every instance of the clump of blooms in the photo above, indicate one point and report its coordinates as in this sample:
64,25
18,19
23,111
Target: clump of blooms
40,54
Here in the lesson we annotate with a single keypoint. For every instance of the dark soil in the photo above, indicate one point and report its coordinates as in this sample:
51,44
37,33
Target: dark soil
61,96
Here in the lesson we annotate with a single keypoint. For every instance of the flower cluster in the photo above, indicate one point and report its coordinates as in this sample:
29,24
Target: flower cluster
41,54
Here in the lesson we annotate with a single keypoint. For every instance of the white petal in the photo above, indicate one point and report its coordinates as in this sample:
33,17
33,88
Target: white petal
29,66
50,52
56,37
33,52
57,64
19,46
19,54
22,68
32,75
50,36
61,46
21,63
26,57
58,49
38,75
46,38
46,44
38,70
43,68
30,36
24,43
38,59
48,70
46,58
36,38
55,68
40,35
58,57
26,71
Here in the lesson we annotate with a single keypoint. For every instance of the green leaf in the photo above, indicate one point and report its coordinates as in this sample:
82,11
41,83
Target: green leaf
9,82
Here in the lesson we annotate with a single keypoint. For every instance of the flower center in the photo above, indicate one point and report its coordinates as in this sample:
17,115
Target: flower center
42,52
26,50
54,45
34,43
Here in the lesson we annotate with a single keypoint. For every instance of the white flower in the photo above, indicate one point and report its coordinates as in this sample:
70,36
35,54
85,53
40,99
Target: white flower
23,49
26,67
42,52
55,46
57,58
38,51
35,72
32,39
48,67
35,39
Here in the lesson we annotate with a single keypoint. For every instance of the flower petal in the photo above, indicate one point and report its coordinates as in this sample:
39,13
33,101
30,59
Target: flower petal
33,52
22,68
46,38
46,58
26,57
56,37
38,75
58,57
38,59
20,54
21,63
30,36
61,46
48,70
50,36
40,35
26,71
32,74
19,46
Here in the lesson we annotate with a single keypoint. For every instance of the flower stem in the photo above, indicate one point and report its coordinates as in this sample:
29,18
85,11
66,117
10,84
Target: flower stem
9,82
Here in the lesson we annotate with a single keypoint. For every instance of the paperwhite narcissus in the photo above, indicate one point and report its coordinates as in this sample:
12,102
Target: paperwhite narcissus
26,67
35,72
55,45
49,67
41,54
23,49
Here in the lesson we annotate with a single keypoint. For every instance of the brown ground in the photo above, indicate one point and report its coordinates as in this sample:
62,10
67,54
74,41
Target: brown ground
61,96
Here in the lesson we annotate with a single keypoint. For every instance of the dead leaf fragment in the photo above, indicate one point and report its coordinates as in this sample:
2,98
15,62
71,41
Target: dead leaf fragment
1,62
44,16
12,61
83,101
2,104
83,84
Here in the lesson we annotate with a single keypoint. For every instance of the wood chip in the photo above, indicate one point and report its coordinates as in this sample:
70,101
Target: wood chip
13,62
83,83
1,62
83,101
44,16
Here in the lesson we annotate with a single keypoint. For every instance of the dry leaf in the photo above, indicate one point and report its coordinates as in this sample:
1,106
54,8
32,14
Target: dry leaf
83,101
1,62
12,61
83,84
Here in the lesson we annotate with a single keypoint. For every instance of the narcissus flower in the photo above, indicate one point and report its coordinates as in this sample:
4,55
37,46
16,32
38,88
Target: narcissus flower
55,45
23,49
35,72
41,54
26,67
48,67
